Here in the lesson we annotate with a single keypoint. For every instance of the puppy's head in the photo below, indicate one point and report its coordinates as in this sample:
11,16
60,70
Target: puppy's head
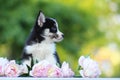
48,28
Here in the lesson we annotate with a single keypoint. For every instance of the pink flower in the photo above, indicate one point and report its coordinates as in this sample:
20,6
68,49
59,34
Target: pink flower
3,62
54,71
45,69
66,70
40,69
12,69
90,67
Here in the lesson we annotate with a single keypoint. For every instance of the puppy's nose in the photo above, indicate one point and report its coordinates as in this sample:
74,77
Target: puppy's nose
63,35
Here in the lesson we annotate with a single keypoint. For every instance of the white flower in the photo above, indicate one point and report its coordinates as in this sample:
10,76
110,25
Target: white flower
3,62
66,70
90,67
12,69
80,61
23,69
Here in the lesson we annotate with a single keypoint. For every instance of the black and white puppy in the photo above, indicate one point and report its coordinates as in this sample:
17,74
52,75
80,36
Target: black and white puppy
41,42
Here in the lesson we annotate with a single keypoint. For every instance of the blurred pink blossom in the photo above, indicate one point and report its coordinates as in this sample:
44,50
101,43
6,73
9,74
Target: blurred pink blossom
89,67
40,69
12,69
45,69
66,70
54,71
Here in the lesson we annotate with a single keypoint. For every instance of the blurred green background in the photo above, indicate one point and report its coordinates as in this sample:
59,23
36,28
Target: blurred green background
91,27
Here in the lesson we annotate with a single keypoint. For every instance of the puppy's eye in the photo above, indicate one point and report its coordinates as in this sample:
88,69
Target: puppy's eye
53,29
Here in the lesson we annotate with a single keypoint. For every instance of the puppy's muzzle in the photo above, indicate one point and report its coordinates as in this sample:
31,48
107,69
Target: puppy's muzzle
56,36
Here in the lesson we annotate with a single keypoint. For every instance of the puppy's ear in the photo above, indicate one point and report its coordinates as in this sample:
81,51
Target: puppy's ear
41,19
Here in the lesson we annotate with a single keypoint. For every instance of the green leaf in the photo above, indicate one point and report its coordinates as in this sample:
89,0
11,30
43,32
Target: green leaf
24,75
32,62
58,64
77,76
29,68
37,61
78,67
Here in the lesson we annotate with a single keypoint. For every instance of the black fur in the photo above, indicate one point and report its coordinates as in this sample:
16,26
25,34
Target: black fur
57,58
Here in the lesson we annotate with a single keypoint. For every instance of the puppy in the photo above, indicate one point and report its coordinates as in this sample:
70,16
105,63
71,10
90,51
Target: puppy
40,45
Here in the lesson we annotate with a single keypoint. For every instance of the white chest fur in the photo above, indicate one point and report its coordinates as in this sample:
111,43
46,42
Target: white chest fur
42,51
